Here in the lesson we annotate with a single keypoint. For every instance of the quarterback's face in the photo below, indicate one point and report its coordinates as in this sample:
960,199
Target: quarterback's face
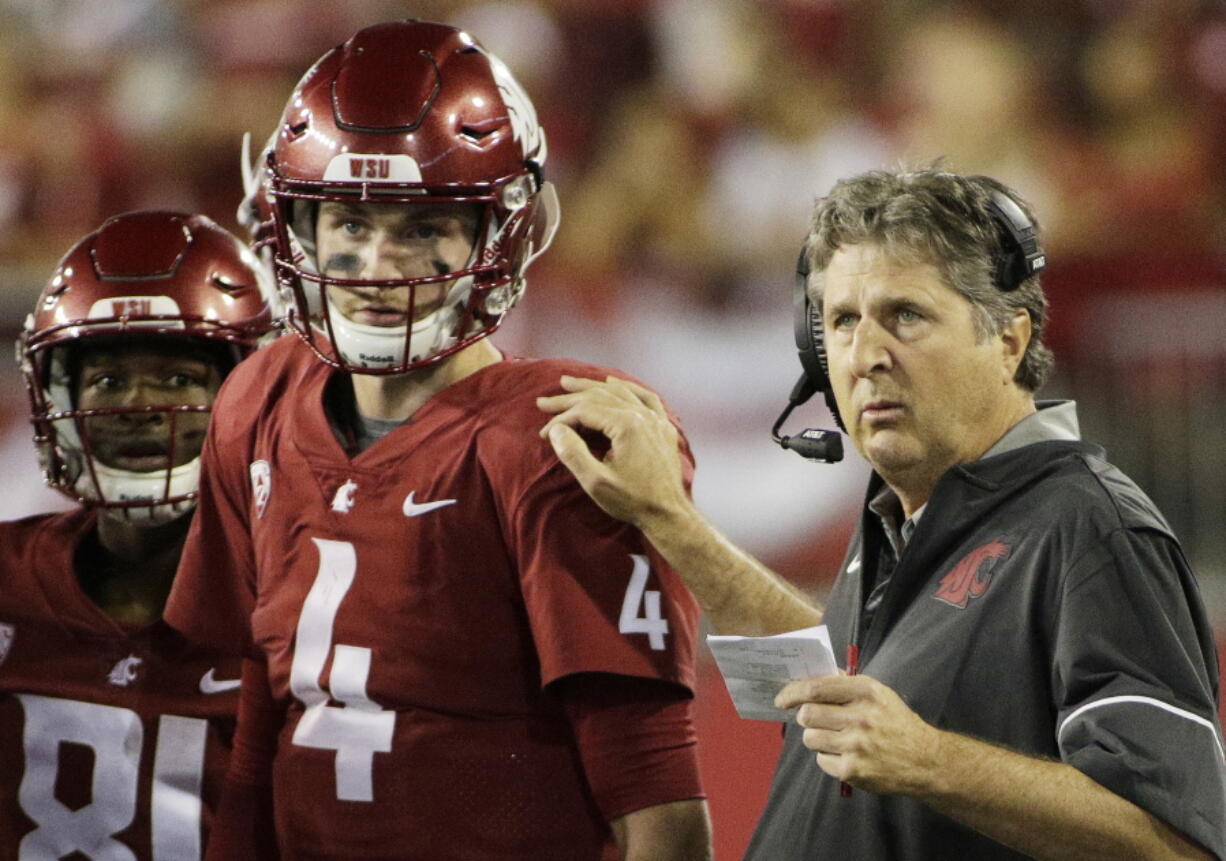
384,241
917,387
145,375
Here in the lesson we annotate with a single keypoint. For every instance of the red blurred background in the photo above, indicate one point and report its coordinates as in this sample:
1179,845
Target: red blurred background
688,139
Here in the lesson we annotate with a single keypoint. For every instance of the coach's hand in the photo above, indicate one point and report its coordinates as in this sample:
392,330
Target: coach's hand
640,479
864,733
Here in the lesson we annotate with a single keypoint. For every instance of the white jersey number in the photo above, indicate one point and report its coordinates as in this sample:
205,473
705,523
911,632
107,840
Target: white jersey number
650,622
115,735
361,728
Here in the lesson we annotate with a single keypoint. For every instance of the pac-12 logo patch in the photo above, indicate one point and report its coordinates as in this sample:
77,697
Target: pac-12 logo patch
261,485
7,632
970,577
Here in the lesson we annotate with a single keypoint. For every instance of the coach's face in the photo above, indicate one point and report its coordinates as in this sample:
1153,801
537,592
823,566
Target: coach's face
918,389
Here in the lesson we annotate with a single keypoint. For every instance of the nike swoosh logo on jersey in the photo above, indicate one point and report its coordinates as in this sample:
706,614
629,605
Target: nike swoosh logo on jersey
413,509
210,685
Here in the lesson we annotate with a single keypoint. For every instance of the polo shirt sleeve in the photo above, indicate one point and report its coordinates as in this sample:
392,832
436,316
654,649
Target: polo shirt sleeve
1135,682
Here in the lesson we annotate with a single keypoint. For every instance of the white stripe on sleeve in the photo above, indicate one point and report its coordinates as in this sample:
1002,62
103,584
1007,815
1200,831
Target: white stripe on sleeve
1148,701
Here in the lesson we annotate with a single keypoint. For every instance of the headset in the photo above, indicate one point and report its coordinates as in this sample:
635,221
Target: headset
1019,258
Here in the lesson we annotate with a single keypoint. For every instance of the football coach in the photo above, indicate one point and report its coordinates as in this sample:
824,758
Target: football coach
1030,670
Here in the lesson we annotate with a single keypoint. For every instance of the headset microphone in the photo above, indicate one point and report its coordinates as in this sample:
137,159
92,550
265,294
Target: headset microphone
811,443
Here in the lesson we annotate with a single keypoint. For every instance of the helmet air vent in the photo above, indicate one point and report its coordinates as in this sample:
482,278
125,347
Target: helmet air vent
141,246
388,88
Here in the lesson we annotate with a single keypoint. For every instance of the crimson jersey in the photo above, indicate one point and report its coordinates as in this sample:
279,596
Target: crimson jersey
113,743
413,603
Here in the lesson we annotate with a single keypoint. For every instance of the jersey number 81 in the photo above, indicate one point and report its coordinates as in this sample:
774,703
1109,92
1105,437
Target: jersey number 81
116,738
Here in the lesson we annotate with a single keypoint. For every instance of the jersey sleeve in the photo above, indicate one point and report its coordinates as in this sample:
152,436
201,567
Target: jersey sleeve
598,596
244,825
214,589
1135,680
637,741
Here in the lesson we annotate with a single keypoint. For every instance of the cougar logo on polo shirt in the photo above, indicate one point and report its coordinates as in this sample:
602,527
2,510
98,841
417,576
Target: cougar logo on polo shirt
971,577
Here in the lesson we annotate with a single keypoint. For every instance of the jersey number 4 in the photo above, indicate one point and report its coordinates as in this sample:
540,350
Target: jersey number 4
115,736
361,727
650,622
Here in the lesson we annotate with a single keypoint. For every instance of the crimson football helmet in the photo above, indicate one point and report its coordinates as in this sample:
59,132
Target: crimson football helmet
416,114
255,210
154,275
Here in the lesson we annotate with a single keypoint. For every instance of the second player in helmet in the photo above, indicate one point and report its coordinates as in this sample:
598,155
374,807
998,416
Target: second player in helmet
113,731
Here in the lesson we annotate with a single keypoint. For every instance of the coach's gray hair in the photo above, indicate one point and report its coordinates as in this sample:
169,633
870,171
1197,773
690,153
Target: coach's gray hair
933,216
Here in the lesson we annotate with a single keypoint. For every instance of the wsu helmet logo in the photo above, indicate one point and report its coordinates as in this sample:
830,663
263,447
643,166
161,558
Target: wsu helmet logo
524,125
970,577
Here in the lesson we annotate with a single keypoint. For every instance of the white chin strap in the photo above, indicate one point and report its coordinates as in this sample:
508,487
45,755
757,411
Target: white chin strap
377,347
120,485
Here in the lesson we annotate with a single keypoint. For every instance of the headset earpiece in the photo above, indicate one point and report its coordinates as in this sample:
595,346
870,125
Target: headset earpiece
807,329
811,339
1020,254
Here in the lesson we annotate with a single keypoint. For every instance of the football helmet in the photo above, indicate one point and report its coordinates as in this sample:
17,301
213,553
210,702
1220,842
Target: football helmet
415,114
255,211
147,275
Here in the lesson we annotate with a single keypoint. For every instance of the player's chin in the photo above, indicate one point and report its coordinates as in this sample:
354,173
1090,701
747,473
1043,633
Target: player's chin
142,463
383,318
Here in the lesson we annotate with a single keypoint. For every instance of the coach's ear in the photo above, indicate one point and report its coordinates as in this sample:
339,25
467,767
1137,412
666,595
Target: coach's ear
1014,338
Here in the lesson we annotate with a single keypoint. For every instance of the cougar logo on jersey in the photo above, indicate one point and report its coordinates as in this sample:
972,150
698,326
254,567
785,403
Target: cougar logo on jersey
343,501
124,672
261,485
7,633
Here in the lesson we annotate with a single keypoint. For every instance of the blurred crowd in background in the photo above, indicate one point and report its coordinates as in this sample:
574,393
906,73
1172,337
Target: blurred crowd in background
688,139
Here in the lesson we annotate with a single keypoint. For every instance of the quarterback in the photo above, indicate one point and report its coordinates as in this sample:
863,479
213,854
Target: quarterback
451,652
114,732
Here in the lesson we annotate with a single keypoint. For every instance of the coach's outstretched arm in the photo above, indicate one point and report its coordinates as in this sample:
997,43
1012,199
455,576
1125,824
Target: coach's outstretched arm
640,482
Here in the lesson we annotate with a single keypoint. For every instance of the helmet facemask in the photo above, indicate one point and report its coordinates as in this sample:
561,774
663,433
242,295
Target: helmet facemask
510,228
77,443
